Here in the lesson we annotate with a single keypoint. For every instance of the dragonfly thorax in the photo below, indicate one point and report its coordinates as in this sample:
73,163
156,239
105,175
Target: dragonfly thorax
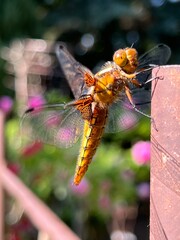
111,80
108,86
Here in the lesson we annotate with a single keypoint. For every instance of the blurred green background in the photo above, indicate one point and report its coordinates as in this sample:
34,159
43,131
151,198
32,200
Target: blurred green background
115,193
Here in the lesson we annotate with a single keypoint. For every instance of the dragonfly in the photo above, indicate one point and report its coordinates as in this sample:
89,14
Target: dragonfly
103,101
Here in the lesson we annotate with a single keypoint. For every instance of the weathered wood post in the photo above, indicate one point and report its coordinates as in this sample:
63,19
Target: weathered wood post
165,155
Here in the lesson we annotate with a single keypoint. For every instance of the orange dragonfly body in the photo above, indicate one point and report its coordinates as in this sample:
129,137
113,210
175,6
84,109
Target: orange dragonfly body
105,87
99,101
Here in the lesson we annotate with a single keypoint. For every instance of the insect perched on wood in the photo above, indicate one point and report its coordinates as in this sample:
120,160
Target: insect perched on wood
103,101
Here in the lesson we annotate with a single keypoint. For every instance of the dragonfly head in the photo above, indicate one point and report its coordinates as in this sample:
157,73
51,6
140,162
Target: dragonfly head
127,59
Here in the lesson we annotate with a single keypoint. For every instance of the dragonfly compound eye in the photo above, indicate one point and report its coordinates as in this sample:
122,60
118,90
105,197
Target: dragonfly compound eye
120,57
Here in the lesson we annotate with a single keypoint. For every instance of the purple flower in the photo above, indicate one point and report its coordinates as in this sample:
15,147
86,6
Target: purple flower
36,101
6,104
82,189
143,190
141,152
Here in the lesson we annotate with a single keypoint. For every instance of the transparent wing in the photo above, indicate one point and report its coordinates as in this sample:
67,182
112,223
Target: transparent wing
73,71
53,124
122,116
142,97
158,55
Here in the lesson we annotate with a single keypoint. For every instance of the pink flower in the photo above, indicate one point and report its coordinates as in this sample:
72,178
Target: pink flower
6,104
141,152
32,149
14,167
143,190
82,189
36,101
127,120
65,136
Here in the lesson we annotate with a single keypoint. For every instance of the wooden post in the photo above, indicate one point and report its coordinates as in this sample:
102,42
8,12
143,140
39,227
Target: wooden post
165,155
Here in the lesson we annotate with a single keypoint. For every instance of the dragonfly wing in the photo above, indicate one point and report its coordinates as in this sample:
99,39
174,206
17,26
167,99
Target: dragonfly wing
142,97
158,55
73,71
121,117
53,125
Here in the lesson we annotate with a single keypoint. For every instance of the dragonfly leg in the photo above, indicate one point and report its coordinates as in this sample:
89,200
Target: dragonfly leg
136,83
154,78
128,94
146,115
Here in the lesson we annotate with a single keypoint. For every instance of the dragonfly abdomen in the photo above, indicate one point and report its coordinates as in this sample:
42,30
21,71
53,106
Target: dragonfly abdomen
93,130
